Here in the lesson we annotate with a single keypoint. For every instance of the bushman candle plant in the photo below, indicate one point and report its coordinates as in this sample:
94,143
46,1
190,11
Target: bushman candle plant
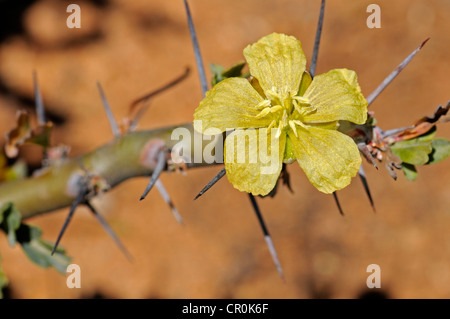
321,122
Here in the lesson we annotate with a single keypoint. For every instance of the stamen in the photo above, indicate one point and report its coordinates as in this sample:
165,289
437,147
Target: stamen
264,112
299,123
277,135
272,94
292,125
282,124
292,94
272,124
268,110
263,104
284,119
302,100
296,106
275,108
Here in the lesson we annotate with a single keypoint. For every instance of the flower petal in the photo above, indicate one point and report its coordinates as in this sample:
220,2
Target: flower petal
329,158
337,96
230,104
277,60
305,83
258,171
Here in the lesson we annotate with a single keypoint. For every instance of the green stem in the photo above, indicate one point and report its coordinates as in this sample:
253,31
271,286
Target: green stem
115,162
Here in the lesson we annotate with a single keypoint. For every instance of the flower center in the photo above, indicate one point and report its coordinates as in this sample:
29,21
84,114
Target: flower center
288,109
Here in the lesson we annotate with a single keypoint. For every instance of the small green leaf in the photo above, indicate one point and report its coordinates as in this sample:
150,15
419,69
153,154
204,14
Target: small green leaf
220,73
39,251
29,237
10,222
216,70
441,150
234,71
409,171
414,151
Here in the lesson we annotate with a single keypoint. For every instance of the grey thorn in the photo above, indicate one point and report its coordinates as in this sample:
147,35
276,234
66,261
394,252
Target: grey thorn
338,204
267,236
109,231
372,96
38,100
362,176
78,200
165,195
160,165
109,113
198,56
211,183
312,69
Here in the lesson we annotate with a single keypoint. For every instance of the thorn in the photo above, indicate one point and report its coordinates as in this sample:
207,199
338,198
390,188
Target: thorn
211,183
165,195
394,73
109,113
145,98
336,199
198,56
160,165
38,101
267,237
312,69
362,176
109,230
78,200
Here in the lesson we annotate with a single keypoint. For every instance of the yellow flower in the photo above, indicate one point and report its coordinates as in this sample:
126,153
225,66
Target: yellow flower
303,115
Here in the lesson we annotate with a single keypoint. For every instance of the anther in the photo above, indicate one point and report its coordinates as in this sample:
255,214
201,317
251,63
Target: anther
292,125
264,112
272,94
272,124
299,123
277,135
275,108
263,104
296,106
302,100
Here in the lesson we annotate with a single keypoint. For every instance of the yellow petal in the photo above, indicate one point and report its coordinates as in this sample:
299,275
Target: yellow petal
230,104
252,166
305,83
329,158
277,60
328,125
337,96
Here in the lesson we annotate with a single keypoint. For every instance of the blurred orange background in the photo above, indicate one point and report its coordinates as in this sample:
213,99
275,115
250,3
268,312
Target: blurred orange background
132,47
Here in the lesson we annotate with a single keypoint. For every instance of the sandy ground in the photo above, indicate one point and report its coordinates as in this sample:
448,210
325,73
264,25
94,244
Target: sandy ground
135,46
